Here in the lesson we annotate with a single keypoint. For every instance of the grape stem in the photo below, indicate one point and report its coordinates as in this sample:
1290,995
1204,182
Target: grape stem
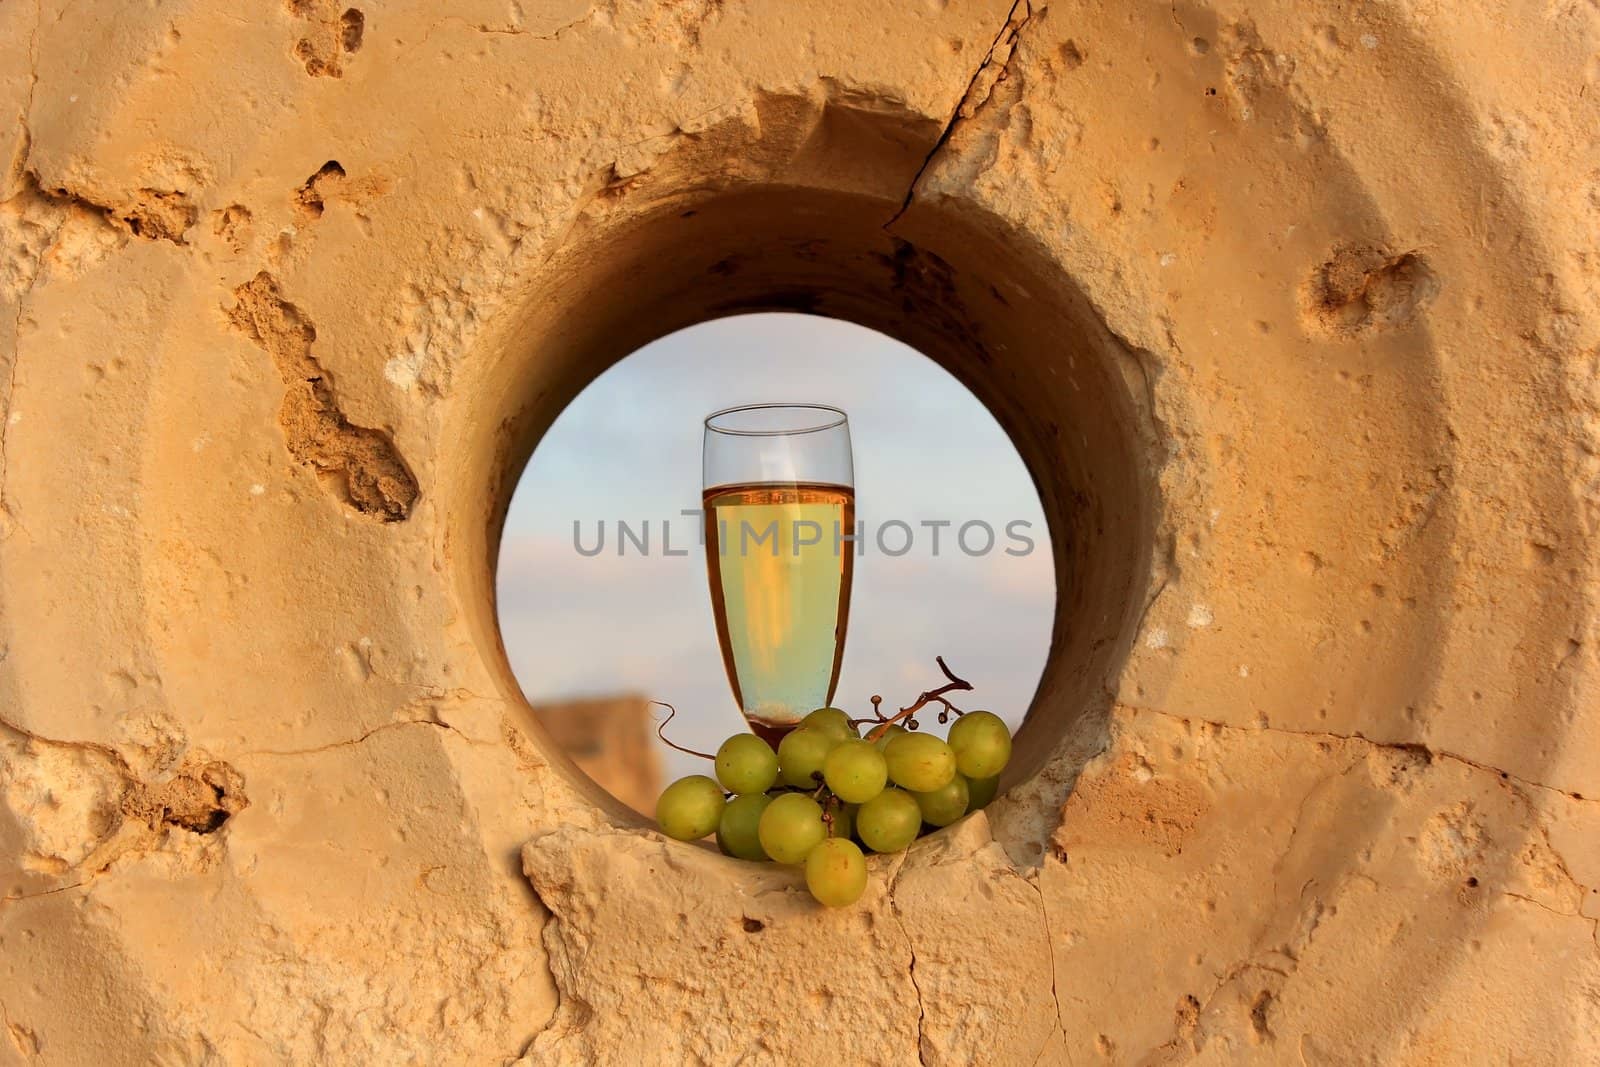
827,808
931,696
661,733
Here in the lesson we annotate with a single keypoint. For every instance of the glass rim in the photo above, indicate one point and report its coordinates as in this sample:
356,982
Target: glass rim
834,418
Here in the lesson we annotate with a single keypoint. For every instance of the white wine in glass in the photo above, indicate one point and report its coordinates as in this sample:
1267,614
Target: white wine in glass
779,506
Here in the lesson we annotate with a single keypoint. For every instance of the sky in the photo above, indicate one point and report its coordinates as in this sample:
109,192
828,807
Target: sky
629,447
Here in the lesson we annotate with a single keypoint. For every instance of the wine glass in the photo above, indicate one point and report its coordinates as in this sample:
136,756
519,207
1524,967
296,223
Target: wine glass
779,512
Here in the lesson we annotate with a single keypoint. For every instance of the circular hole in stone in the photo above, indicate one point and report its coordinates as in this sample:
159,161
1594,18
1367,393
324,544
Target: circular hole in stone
956,560
954,283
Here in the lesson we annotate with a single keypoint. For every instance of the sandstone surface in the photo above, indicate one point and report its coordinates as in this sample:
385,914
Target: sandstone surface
1292,308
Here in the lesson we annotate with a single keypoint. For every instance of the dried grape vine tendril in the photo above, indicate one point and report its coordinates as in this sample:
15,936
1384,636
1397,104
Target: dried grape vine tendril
880,723
661,733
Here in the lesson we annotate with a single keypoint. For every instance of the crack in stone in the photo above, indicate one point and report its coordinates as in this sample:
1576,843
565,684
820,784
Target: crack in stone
911,971
49,892
1578,887
514,31
973,98
349,742
109,751
33,81
1049,943
1292,953
1541,904
94,876
1566,872
1396,746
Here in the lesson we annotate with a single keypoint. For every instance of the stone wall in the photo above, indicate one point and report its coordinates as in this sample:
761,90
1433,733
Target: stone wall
1291,308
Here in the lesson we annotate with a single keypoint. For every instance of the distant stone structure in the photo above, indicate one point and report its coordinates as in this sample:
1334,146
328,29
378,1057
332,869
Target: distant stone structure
611,740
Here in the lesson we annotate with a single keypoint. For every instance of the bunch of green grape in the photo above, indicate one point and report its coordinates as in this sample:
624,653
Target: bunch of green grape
827,792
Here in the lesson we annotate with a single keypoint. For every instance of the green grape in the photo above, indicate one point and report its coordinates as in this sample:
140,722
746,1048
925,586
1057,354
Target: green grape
919,762
790,827
738,834
831,720
943,806
836,872
856,771
746,764
889,734
982,744
690,808
889,821
844,820
980,791
801,754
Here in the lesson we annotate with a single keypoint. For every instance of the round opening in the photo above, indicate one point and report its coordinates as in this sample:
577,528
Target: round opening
604,593
1008,325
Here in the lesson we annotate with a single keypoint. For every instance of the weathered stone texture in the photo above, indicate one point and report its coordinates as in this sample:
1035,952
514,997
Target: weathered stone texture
1293,309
